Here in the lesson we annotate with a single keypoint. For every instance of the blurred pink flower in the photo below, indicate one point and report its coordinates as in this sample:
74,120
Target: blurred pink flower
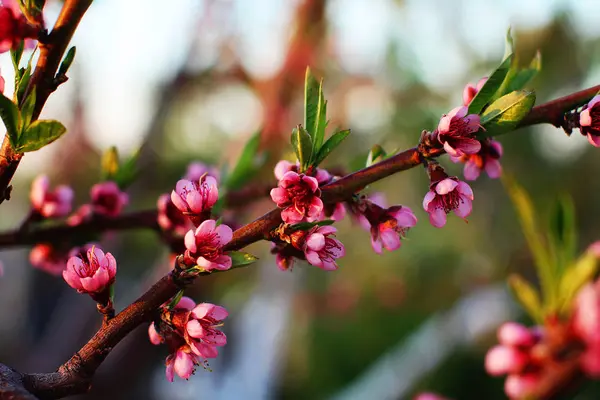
170,217
195,196
429,396
515,334
392,225
14,27
2,83
447,195
50,204
521,386
456,131
94,274
487,159
108,199
589,121
299,196
471,90
155,337
205,245
47,258
321,249
196,170
502,360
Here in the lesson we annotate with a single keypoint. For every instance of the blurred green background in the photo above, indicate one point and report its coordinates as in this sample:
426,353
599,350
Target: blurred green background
192,80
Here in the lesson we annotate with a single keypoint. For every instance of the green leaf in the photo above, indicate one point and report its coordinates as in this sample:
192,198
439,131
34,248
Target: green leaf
504,114
67,61
175,299
563,232
21,85
128,171
302,145
320,124
11,116
28,108
247,165
489,89
305,226
312,94
240,258
509,46
517,78
576,275
545,267
334,141
110,164
527,296
39,134
376,154
15,55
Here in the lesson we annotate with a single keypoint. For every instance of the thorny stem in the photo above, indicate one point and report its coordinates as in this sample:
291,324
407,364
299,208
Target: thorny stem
76,374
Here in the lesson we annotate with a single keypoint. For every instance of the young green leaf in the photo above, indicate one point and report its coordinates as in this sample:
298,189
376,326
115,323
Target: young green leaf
128,171
376,154
67,61
247,165
240,258
563,232
11,116
305,226
527,296
15,55
546,269
302,145
489,89
320,124
509,44
39,134
23,82
28,108
334,141
575,276
175,300
311,102
110,164
504,114
517,78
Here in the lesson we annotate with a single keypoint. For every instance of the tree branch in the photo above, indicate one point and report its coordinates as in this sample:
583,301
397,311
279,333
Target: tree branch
51,52
75,375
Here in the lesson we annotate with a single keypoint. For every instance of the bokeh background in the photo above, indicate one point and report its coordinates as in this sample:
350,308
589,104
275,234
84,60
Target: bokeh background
193,80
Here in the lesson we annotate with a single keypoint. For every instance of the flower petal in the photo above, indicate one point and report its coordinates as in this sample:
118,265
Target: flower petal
445,186
437,217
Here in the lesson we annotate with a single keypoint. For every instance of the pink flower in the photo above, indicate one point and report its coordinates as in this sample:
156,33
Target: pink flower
107,198
95,274
201,332
196,170
2,82
321,249
456,131
521,386
47,258
471,90
502,360
447,195
392,225
590,361
83,213
589,121
515,334
321,175
299,196
195,196
1,269
50,204
155,337
14,27
429,396
183,363
586,316
205,245
170,218
487,159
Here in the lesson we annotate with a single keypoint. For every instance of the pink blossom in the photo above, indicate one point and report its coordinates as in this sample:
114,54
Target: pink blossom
487,159
195,196
83,213
2,83
14,27
456,131
321,175
201,332
47,258
515,334
589,121
205,245
299,196
586,316
447,195
155,337
501,360
471,90
392,225
196,170
94,274
183,363
108,199
429,396
335,212
50,204
590,361
1,269
521,386
321,249
170,218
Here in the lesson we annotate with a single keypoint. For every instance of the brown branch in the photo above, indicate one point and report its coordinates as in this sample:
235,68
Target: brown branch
52,49
75,375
